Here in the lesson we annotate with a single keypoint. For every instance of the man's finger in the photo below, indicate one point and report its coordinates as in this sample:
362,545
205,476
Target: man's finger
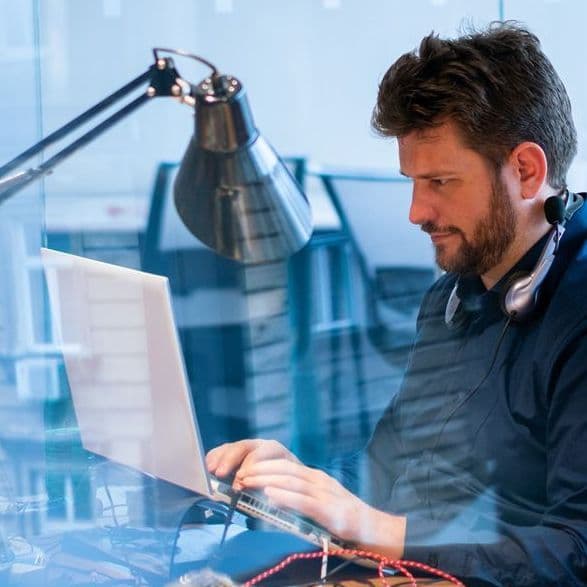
226,458
285,467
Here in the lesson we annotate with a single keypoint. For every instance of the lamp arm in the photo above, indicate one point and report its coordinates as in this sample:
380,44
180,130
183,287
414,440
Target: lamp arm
164,80
75,123
21,180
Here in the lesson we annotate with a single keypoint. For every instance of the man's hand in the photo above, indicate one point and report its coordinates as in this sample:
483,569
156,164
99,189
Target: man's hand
232,457
318,496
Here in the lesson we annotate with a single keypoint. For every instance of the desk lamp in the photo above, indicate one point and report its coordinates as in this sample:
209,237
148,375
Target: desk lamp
232,190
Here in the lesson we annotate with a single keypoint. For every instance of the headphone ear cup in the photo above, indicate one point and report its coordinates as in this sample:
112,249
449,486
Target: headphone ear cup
511,283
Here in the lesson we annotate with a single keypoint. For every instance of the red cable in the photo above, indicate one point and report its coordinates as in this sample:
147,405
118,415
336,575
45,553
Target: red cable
400,565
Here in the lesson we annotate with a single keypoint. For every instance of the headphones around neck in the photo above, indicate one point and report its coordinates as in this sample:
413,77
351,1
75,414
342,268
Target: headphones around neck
520,293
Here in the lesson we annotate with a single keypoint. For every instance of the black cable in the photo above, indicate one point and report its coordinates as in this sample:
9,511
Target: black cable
212,505
228,520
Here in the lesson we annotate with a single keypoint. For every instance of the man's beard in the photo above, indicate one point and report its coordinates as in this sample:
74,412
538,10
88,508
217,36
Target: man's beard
491,238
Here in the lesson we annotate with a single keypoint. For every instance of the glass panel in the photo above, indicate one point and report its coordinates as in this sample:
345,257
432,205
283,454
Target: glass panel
308,351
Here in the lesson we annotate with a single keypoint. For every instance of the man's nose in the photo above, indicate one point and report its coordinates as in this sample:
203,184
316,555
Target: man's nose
421,207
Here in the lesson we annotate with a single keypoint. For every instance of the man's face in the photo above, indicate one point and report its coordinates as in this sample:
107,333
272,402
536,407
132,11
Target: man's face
458,200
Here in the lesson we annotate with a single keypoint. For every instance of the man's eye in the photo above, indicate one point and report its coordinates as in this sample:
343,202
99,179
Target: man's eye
439,181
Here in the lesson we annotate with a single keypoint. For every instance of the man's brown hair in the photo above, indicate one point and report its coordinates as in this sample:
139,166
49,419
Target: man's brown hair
496,85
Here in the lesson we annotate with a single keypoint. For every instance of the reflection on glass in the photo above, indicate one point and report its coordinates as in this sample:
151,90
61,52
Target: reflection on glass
308,352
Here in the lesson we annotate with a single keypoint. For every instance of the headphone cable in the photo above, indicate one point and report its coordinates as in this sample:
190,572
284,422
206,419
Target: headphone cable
461,403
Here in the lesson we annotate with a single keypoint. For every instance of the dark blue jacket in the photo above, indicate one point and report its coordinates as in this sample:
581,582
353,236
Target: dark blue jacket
484,448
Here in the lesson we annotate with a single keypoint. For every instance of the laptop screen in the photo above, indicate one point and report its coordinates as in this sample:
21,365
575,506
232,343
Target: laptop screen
125,369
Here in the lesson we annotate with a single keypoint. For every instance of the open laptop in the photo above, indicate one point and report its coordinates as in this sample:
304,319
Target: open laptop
128,381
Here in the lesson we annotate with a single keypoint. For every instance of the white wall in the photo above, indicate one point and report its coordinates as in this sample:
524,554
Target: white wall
312,72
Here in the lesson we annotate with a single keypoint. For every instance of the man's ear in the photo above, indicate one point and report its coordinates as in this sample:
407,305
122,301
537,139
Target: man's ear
530,167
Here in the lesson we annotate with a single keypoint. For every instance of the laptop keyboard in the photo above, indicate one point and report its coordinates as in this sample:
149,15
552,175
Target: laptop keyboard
256,505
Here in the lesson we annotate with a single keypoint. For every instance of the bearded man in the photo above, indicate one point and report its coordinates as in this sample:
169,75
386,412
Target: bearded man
479,464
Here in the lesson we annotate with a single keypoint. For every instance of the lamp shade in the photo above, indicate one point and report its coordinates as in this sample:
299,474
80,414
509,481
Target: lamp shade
232,191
